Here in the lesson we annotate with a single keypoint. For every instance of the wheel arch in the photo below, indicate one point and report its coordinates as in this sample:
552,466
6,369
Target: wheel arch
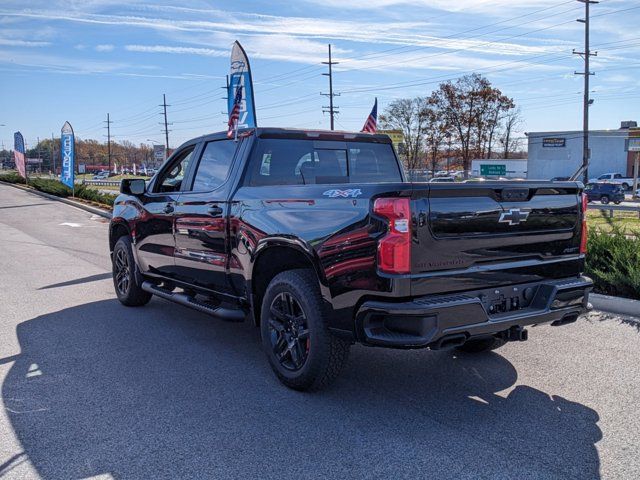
275,257
117,229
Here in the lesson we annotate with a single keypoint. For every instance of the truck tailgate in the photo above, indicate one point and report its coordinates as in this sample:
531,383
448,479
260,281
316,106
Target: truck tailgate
494,233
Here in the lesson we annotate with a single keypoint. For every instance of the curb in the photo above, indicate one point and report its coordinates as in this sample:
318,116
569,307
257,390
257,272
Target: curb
619,305
82,206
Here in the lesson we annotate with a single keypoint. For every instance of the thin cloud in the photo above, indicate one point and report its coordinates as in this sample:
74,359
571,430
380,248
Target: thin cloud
104,48
8,42
206,52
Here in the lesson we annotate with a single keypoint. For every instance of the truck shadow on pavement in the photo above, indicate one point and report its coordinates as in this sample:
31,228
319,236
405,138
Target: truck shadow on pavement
164,392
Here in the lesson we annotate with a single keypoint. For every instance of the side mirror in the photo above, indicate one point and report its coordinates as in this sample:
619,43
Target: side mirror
133,186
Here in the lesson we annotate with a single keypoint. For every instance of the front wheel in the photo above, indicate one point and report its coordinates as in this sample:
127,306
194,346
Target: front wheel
126,277
604,199
296,339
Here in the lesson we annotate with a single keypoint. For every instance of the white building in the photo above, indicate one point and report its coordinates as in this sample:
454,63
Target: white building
559,154
496,167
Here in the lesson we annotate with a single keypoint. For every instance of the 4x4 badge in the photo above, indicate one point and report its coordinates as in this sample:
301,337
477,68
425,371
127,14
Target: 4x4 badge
514,216
351,192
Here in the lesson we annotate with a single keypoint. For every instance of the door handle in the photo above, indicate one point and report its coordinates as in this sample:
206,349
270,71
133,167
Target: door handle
168,208
215,211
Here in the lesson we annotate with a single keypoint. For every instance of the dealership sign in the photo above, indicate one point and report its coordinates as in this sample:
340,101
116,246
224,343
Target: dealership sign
554,142
158,153
493,170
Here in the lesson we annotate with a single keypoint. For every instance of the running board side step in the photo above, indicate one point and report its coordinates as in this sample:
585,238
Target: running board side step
227,314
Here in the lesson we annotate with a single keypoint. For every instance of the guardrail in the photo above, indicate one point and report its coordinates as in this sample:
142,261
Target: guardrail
102,183
613,208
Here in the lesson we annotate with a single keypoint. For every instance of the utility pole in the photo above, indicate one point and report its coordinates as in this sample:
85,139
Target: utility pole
586,55
38,150
109,122
331,109
166,125
53,154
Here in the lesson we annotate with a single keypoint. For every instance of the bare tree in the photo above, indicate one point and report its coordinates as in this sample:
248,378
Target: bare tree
512,122
437,131
410,116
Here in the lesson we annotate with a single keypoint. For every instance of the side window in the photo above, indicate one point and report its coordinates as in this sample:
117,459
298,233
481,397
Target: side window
170,180
214,165
617,175
603,177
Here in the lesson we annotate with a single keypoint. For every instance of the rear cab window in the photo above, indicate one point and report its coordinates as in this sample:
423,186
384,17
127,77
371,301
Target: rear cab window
304,162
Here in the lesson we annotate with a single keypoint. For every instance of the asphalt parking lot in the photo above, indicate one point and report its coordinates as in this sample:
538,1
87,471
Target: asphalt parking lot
89,388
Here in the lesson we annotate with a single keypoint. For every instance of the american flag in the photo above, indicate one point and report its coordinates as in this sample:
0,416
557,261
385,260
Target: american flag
371,125
234,115
19,154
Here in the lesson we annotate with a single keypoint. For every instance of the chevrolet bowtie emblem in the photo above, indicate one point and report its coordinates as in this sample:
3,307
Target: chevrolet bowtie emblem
514,216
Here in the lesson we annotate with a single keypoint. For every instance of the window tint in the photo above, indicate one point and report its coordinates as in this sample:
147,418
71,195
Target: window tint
170,180
297,162
214,165
372,163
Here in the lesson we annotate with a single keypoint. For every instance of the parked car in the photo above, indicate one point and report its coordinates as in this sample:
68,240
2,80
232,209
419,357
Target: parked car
103,175
615,178
605,192
318,239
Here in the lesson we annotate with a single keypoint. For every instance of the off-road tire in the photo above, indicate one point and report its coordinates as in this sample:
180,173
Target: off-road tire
326,354
132,295
481,345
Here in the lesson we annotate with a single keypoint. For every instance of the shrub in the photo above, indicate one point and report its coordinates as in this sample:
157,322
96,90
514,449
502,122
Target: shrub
82,191
613,261
54,187
11,177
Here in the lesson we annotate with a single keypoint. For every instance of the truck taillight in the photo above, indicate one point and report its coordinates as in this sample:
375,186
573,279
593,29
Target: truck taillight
583,234
394,249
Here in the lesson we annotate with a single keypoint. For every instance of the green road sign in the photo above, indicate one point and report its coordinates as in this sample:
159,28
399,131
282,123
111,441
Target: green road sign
493,170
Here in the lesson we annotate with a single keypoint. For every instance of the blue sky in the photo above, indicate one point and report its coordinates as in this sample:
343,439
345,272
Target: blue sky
77,60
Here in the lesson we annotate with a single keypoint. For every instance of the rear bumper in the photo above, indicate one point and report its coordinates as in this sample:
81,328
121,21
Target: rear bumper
431,321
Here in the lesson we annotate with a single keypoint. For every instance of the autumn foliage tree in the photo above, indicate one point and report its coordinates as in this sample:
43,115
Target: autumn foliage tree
470,111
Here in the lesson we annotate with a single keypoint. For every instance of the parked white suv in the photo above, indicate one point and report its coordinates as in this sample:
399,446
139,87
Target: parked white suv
615,178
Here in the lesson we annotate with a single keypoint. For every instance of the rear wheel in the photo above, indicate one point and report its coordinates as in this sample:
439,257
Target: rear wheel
604,199
481,345
301,351
126,277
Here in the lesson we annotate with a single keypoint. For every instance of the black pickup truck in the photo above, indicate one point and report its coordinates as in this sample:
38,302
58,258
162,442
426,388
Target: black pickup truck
318,239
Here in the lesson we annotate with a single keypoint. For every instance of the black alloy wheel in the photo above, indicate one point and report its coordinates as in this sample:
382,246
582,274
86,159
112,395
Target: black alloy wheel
127,279
122,271
302,351
289,332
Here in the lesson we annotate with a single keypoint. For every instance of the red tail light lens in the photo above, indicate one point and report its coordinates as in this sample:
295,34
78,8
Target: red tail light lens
394,249
584,233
